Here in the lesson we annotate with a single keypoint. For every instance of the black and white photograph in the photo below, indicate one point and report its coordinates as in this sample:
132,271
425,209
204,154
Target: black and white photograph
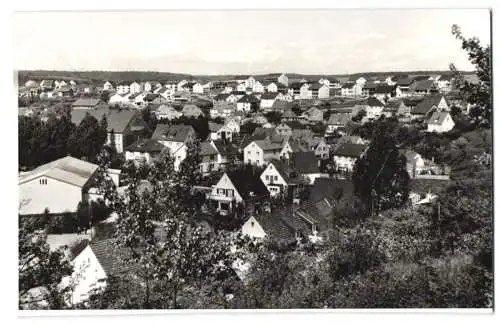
254,159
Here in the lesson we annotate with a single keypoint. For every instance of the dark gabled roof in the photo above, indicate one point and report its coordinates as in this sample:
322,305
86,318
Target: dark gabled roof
206,149
275,228
385,89
350,150
319,213
295,125
296,85
331,189
270,95
117,119
151,97
284,169
438,118
426,105
393,104
214,127
348,85
374,102
246,182
270,144
224,148
145,145
304,162
405,82
111,257
412,101
370,85
261,133
221,97
238,92
177,133
248,99
424,85
86,102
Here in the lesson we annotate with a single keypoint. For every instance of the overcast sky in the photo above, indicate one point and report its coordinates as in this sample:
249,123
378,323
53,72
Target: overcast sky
246,42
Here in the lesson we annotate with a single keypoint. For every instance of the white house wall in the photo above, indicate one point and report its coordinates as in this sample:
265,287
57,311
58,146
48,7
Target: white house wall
57,196
253,229
86,275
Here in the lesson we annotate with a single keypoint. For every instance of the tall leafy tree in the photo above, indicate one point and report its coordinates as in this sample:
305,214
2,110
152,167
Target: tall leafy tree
41,271
478,94
380,177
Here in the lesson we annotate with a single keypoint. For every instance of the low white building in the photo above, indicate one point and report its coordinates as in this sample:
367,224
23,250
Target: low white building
120,99
68,178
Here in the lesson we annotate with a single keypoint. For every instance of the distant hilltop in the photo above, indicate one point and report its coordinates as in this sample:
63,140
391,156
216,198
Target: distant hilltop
130,76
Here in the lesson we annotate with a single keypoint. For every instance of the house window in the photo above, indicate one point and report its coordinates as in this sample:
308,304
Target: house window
267,177
43,181
275,178
252,223
212,157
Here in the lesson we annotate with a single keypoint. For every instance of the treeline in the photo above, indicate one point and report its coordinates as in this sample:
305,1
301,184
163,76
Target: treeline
95,76
42,142
139,76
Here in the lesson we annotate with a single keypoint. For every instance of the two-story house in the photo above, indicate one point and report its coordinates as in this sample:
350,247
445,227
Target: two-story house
280,179
247,103
144,151
175,138
440,122
346,155
268,99
259,152
238,187
211,159
219,132
373,108
337,121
